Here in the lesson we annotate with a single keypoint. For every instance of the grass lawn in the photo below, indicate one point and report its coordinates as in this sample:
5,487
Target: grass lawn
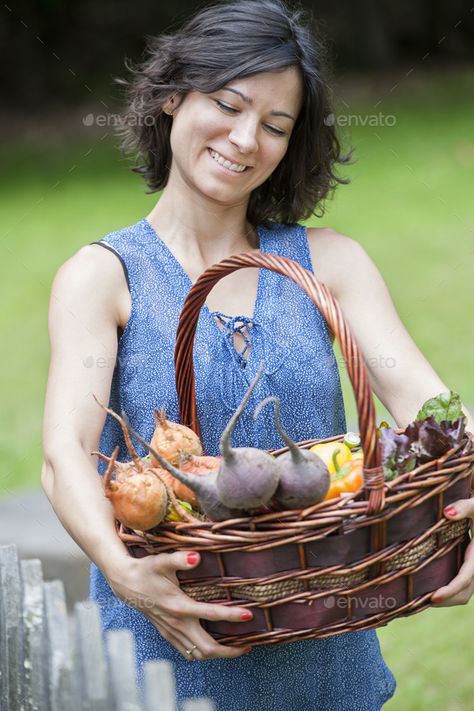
409,204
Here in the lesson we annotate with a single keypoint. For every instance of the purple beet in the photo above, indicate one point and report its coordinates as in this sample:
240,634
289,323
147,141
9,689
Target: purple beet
247,477
303,476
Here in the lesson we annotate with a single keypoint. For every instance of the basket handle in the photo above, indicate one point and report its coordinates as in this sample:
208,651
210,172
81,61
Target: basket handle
322,298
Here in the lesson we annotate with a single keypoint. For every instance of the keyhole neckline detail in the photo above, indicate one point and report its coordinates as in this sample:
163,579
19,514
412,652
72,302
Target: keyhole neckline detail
261,275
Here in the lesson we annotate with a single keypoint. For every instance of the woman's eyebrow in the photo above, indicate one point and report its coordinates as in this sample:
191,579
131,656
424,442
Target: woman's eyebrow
248,100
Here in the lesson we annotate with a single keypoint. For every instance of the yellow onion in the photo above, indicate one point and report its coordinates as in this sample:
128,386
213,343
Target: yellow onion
139,500
171,440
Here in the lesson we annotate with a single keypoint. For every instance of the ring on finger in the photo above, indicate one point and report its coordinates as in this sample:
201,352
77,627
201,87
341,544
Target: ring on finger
189,652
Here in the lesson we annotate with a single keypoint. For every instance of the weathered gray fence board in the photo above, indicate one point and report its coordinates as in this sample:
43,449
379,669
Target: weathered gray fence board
60,656
198,705
91,667
34,689
45,668
10,629
121,657
3,648
160,686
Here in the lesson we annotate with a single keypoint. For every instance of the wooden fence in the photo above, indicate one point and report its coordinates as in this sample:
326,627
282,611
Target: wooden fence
49,662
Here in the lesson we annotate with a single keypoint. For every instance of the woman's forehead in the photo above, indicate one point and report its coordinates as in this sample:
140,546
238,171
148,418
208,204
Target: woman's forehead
283,89
279,80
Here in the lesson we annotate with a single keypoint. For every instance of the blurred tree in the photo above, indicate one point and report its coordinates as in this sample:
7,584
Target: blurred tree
53,50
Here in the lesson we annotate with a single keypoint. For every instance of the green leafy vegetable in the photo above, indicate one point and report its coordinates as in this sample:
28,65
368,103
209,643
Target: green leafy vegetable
186,505
439,426
445,406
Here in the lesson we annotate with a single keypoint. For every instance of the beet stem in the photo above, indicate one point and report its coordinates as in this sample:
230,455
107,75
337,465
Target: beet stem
104,457
225,446
110,467
296,454
128,441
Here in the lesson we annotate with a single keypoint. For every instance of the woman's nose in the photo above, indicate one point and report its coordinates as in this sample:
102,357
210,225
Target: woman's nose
244,137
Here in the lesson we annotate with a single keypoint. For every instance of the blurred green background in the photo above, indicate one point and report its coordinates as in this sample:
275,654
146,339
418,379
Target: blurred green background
64,184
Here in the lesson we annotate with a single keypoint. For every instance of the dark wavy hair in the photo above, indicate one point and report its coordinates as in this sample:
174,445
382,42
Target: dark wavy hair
227,41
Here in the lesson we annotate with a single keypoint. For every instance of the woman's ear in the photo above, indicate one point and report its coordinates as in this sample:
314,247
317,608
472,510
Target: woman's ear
171,105
168,108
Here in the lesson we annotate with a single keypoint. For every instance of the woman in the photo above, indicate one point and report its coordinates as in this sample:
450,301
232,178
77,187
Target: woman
227,116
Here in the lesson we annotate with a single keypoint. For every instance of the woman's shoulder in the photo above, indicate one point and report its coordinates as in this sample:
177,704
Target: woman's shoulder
335,256
93,270
92,265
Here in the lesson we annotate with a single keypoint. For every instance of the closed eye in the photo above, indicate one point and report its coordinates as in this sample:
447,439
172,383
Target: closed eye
226,107
230,109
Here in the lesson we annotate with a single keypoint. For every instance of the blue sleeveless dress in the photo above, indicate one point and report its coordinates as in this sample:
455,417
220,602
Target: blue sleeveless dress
342,673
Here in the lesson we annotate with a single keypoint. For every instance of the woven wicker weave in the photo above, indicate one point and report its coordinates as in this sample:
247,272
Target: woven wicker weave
347,564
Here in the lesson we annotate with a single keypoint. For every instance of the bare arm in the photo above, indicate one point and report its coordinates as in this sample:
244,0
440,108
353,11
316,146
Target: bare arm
400,375
82,327
83,323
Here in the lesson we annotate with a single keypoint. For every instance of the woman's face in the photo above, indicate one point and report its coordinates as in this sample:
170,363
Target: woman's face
248,123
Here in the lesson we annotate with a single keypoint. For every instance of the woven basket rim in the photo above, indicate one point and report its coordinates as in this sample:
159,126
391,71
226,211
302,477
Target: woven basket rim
345,511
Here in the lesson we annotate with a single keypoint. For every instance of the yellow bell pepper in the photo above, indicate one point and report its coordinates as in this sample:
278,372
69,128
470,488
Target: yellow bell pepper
344,464
333,454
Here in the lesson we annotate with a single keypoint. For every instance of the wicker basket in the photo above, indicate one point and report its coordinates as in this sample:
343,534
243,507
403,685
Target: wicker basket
353,563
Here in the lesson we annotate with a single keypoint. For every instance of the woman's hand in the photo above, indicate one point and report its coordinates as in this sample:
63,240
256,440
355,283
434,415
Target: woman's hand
461,588
150,585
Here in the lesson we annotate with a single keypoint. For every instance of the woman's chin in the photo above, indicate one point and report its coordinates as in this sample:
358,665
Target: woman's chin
220,193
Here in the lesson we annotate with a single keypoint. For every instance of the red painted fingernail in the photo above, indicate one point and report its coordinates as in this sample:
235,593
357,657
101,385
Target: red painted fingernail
246,616
450,510
192,558
246,651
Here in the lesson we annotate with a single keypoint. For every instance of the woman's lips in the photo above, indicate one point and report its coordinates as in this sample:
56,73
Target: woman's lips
223,167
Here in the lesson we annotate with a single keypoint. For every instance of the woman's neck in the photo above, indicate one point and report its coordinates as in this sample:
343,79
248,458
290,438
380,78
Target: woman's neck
208,233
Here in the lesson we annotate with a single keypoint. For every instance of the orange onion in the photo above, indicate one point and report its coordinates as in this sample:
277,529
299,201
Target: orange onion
171,440
123,470
139,500
193,464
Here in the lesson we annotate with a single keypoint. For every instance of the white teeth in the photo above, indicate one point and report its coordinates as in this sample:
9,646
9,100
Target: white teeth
231,166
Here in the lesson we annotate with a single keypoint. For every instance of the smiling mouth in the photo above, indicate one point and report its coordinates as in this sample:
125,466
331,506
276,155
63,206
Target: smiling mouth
232,167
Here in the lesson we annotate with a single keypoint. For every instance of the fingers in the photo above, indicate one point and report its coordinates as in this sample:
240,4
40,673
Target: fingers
175,639
213,612
186,606
187,635
206,646
459,590
180,614
462,508
170,563
461,598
